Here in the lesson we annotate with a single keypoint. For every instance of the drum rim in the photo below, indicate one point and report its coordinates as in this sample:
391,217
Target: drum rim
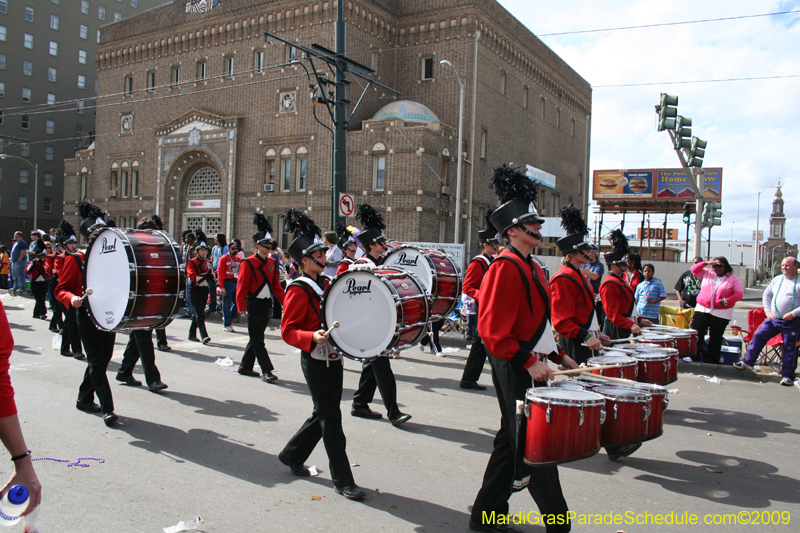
641,395
651,356
532,395
131,289
660,391
629,360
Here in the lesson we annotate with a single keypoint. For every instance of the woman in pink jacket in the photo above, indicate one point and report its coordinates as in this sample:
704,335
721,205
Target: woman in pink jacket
720,289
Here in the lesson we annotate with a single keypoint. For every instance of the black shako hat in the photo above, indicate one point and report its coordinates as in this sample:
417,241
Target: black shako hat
307,235
573,223
518,194
620,248
92,218
372,224
344,234
65,233
264,234
490,233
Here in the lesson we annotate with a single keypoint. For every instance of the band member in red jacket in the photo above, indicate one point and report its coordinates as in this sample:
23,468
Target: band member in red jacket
228,272
348,246
476,269
70,335
301,327
198,276
572,295
37,270
514,323
616,294
258,281
99,344
57,322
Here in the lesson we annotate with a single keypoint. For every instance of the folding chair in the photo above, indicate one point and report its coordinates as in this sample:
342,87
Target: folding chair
773,350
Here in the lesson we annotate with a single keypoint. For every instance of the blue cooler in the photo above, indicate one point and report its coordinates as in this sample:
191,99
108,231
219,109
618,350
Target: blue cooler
732,350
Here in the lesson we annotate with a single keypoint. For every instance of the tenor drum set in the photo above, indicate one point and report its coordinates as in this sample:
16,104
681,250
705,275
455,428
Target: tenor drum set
387,309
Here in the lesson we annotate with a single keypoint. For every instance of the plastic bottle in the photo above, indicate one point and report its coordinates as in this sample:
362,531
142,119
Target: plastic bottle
14,502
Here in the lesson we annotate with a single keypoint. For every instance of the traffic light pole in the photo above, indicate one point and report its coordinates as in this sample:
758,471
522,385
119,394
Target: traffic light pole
339,121
697,187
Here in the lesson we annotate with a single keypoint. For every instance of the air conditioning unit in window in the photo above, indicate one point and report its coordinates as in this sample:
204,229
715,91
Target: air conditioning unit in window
445,189
269,187
112,194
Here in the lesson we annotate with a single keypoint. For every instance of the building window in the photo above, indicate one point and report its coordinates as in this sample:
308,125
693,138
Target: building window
48,179
135,182
151,80
3,32
51,99
202,70
50,127
484,135
124,183
291,53
572,127
445,172
175,76
82,57
53,48
134,3
81,81
2,89
205,182
544,103
84,31
114,179
3,6
442,229
27,41
129,85
23,175
52,74
26,94
502,83
373,61
1,122
558,117
53,22
80,107
427,68
229,67
302,173
48,205
24,149
78,129
272,170
379,172
85,7
3,65
259,62
525,97
29,14
22,204
26,122
101,13
117,16
98,37
286,171
48,153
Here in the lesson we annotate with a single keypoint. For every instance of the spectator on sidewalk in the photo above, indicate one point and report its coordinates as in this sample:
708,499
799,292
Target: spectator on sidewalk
688,287
720,289
649,295
19,260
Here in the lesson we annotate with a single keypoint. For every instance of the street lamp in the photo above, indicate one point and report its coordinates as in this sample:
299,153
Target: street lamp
458,154
758,214
35,186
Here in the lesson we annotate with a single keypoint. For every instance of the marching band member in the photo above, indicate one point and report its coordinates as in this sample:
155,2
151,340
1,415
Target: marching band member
70,335
348,246
198,274
476,269
57,322
617,296
322,367
574,316
376,373
228,272
37,270
514,323
99,344
258,281
161,334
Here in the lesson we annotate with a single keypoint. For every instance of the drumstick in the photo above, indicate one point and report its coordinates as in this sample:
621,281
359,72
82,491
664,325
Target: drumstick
87,292
617,380
584,369
628,339
333,327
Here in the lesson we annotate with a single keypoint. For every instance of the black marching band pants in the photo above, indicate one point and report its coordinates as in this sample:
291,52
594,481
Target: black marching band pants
140,344
39,291
57,320
377,374
70,334
475,361
99,346
259,311
198,295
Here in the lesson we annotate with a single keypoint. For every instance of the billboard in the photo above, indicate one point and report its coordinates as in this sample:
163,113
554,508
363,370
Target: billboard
672,184
627,184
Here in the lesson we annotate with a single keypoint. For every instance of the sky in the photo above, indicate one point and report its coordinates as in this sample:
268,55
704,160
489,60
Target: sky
752,127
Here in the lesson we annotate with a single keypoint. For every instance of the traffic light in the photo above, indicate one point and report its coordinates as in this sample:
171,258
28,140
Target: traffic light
696,152
712,214
666,110
683,132
687,213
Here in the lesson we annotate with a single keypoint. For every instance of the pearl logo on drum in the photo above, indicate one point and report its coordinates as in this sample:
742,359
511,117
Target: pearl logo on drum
402,260
354,289
106,248
109,317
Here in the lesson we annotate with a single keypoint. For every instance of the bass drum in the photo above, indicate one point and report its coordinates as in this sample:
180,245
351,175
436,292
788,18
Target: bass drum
136,277
437,272
380,311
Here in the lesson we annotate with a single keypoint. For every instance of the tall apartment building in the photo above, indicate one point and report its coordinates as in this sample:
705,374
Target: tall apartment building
203,121
48,81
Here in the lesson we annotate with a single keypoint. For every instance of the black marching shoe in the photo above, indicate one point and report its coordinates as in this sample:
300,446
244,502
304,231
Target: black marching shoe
88,407
193,339
351,492
492,528
157,386
66,354
400,419
164,348
110,418
54,329
468,384
365,412
206,340
78,356
129,381
269,377
249,373
296,468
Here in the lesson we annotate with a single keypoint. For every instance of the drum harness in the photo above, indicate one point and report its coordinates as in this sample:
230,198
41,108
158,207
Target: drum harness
322,352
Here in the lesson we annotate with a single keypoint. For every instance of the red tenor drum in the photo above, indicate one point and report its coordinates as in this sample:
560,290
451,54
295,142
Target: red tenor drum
693,343
654,367
563,425
437,272
136,277
659,402
665,341
686,339
626,415
628,367
570,384
380,311
633,347
674,360
590,382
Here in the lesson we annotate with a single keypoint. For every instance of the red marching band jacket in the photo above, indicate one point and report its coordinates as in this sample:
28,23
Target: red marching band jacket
476,269
196,270
617,299
49,264
344,265
58,263
70,279
254,273
573,303
37,268
503,290
302,315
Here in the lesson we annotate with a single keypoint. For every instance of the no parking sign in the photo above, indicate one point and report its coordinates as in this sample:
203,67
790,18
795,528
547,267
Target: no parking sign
347,204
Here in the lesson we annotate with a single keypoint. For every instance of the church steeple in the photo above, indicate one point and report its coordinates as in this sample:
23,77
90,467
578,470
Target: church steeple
777,220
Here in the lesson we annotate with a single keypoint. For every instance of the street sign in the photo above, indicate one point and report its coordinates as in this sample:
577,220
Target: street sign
760,235
347,204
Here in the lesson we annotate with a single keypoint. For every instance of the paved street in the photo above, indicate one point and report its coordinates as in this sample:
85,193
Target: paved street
208,446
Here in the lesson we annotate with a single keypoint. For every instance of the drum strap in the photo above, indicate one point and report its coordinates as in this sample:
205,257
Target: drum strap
483,261
625,290
583,293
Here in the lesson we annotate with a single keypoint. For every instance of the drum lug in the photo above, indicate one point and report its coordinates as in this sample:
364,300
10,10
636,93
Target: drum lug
580,417
666,403
667,364
602,415
527,410
616,411
636,371
548,413
646,410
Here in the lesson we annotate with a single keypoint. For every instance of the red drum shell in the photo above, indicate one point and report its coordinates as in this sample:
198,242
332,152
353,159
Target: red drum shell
666,341
654,367
573,430
629,367
674,361
626,415
660,401
693,344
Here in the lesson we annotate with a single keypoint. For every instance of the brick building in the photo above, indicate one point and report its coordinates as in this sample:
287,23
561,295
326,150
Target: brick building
202,121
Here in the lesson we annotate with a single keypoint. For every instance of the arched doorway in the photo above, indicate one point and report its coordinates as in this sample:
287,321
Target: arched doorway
204,201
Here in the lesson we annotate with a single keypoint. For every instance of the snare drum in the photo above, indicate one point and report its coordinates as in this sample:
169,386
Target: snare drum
659,403
570,384
136,277
590,382
654,367
380,311
665,341
563,425
683,338
633,347
437,272
626,415
629,368
674,359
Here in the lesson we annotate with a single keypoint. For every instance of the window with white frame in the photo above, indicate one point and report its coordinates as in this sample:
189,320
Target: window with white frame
24,149
291,53
47,205
98,37
259,62
50,127
302,169
84,31
23,175
51,99
286,169
85,7
52,74
427,68
53,48
175,77
82,57
3,64
202,70
3,32
2,89
3,6
28,14
379,172
26,94
26,122
48,153
134,3
117,16
229,66
79,107
135,180
101,13
84,182
53,22
27,41
22,204
48,179
125,175
81,81
129,85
